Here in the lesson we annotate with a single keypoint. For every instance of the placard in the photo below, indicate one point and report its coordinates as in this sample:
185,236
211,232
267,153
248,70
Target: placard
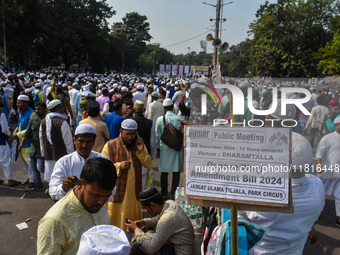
249,166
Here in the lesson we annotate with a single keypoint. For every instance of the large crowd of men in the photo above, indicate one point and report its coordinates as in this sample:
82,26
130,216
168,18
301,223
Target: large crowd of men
94,137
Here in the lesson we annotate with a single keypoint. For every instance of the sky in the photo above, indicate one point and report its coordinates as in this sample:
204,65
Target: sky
180,25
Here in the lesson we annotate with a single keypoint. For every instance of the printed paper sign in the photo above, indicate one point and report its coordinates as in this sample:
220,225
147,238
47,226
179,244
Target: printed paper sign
244,164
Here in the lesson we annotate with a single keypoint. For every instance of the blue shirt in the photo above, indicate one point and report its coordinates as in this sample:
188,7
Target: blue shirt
113,122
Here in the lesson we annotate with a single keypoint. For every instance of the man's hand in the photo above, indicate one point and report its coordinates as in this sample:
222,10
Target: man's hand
20,146
184,122
140,144
133,225
158,153
125,165
15,136
140,223
68,183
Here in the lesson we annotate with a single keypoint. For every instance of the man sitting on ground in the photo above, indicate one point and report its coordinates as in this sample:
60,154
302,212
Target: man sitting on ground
173,227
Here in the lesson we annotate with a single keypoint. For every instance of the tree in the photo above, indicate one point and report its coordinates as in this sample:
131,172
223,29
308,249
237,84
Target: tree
330,54
51,32
235,62
287,35
131,36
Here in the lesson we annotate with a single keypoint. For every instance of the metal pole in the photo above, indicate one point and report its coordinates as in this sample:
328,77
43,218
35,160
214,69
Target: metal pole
4,30
234,229
217,29
234,206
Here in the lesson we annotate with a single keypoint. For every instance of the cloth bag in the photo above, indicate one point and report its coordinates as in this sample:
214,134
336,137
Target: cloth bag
171,136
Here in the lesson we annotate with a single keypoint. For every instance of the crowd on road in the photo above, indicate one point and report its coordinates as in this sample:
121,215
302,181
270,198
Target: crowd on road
94,136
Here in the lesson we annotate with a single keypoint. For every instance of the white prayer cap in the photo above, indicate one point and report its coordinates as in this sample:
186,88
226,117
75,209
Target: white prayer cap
86,88
154,94
75,84
290,111
23,98
124,89
84,129
64,85
167,102
104,240
337,120
37,85
139,87
115,85
176,83
53,104
28,90
301,150
129,124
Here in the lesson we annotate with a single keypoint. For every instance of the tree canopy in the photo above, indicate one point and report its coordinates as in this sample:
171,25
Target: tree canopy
287,35
290,38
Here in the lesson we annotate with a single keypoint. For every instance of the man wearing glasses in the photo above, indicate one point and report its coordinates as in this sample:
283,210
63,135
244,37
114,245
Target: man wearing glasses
129,154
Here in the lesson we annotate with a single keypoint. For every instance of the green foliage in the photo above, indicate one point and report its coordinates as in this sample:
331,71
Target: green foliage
131,36
330,54
287,35
235,62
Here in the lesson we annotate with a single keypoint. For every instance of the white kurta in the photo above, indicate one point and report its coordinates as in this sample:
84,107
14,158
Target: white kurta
329,151
5,161
288,232
140,95
69,165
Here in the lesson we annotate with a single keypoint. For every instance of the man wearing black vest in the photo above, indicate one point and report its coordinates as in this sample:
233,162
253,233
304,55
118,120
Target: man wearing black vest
55,136
146,130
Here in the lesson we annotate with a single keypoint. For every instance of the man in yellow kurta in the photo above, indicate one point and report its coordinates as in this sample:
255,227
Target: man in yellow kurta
128,153
60,230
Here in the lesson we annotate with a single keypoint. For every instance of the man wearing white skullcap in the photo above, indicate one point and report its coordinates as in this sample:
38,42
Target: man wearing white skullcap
309,199
25,113
177,98
129,154
69,167
73,97
308,196
140,94
58,93
328,163
104,240
170,160
60,230
38,94
156,107
55,136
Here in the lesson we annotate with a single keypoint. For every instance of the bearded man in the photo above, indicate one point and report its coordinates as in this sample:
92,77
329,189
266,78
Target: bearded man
129,154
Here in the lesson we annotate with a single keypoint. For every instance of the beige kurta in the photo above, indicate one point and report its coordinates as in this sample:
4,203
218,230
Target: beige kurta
130,207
